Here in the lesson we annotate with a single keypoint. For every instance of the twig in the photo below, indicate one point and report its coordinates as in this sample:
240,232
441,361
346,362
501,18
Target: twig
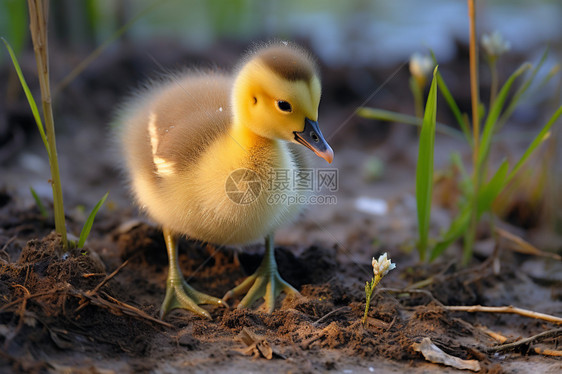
91,297
103,282
32,296
21,313
503,309
548,352
529,340
135,312
107,278
90,275
329,314
5,246
116,305
499,337
408,291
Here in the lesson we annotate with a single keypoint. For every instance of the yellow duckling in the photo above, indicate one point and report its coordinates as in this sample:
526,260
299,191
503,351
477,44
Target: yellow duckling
201,148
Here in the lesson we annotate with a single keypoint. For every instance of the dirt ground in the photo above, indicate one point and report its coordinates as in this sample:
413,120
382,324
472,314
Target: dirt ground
95,310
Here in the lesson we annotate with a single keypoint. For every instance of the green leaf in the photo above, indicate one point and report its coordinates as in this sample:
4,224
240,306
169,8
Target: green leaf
13,22
99,50
539,139
424,169
456,230
39,203
90,221
454,108
389,116
417,93
457,162
491,120
521,91
29,96
548,77
488,193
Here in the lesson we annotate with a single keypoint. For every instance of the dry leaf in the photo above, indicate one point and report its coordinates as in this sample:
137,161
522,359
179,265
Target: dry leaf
257,346
517,244
433,353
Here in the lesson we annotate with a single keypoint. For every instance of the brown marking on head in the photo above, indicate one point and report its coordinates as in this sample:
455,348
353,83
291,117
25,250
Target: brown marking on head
289,62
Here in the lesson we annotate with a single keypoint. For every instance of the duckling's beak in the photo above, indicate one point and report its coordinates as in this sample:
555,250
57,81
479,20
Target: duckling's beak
312,138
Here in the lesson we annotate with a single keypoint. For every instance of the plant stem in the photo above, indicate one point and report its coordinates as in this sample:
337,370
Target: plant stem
494,80
473,56
369,292
417,92
38,14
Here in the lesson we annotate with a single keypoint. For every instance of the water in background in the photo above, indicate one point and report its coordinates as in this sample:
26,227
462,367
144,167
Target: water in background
355,32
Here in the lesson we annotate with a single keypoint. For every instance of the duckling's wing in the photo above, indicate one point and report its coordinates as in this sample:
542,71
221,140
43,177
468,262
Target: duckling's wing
168,127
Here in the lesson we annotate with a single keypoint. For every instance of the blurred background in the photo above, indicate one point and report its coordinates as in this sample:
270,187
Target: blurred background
363,48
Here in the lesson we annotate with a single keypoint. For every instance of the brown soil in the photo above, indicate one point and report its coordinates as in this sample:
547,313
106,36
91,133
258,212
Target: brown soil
55,316
95,310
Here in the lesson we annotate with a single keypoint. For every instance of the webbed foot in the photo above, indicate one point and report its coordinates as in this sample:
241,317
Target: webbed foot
179,294
265,282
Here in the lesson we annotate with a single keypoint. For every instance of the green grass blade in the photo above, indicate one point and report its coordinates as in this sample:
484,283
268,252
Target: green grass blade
454,108
29,96
521,91
539,139
424,168
417,93
456,230
491,120
433,57
14,22
98,51
456,160
389,116
39,203
488,193
548,77
90,221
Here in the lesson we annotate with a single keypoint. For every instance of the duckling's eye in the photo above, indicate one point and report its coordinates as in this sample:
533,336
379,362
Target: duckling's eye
284,106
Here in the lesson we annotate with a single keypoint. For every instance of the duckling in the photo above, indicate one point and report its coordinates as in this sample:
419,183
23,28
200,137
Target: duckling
200,149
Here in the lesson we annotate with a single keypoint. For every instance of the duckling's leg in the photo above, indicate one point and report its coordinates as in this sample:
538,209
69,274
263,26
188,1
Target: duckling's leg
265,282
179,294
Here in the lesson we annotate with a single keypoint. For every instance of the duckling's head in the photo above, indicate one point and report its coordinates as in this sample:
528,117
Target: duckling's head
276,95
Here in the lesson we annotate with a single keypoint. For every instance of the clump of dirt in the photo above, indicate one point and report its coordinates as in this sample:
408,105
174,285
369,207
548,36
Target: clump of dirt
45,275
55,300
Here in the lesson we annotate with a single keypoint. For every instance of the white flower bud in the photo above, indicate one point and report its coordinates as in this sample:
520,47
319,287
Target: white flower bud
421,66
494,44
382,266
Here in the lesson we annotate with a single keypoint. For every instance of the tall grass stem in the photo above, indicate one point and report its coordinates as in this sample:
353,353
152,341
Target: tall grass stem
38,15
473,59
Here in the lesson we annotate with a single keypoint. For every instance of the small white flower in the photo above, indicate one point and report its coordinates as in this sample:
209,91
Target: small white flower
382,266
421,66
494,44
